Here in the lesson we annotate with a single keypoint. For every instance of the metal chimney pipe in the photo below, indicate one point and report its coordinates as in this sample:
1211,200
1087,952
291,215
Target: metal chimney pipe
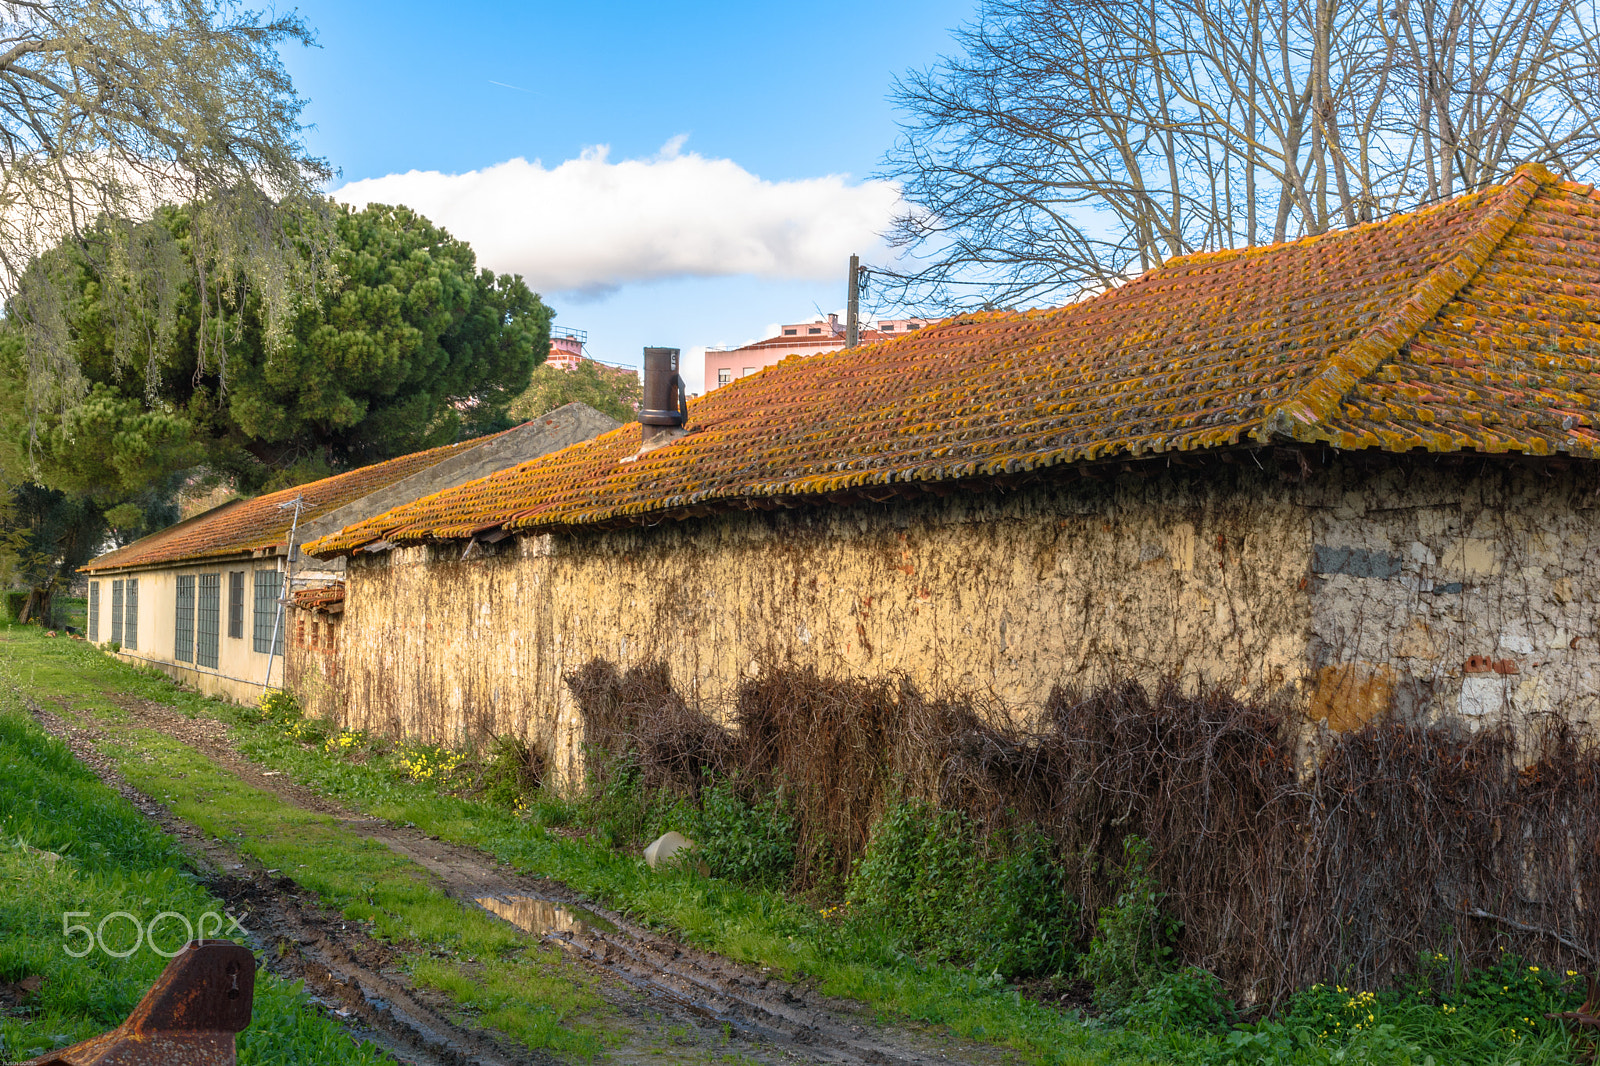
665,409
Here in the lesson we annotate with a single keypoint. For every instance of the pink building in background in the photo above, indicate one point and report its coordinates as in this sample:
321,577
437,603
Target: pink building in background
566,347
723,365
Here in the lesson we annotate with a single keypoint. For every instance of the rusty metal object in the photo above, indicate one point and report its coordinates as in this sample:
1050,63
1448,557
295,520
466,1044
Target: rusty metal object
188,1018
664,408
1585,1021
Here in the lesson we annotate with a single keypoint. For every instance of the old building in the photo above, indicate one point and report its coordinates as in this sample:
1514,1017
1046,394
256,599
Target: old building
726,365
200,599
1356,470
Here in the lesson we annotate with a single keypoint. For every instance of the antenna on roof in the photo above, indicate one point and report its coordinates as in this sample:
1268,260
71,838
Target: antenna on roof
288,586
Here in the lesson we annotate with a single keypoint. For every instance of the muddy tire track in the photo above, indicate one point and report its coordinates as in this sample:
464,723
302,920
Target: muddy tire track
775,1020
341,966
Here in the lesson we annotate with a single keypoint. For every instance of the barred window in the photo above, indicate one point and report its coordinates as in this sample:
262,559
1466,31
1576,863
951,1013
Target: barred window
94,612
208,617
269,584
116,611
236,604
130,615
183,624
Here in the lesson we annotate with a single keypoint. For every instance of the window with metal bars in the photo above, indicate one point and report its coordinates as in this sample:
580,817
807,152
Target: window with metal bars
207,620
116,611
236,604
183,624
269,584
94,612
130,615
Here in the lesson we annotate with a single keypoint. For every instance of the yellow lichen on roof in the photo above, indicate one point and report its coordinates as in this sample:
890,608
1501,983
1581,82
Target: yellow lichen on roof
1467,326
261,524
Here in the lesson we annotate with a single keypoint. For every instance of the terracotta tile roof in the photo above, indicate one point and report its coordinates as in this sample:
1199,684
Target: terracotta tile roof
325,599
257,524
1473,325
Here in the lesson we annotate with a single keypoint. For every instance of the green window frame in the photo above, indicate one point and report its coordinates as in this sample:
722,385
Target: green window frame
94,612
183,623
130,614
235,604
207,620
117,588
269,586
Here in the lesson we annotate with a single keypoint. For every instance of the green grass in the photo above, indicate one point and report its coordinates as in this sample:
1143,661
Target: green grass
110,860
764,926
447,946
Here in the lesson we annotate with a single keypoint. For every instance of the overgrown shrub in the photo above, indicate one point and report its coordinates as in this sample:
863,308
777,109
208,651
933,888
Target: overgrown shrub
512,772
620,808
1279,876
913,877
279,707
741,840
1022,900
1188,998
999,905
1132,949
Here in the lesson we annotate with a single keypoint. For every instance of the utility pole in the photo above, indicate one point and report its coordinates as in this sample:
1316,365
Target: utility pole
287,592
852,320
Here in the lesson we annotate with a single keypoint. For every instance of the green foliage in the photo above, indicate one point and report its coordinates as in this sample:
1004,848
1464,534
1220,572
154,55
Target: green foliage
608,390
1002,907
1494,1016
1410,1026
512,773
68,843
1189,998
619,809
742,841
407,347
14,602
279,706
1133,947
44,536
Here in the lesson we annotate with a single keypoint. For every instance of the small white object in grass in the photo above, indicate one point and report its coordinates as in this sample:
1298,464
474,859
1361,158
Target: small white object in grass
664,847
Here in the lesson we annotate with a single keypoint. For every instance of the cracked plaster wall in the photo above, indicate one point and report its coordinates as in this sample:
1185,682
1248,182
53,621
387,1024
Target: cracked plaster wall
1454,591
1358,589
998,595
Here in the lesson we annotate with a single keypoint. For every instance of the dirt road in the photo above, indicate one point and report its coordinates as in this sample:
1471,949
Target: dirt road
668,996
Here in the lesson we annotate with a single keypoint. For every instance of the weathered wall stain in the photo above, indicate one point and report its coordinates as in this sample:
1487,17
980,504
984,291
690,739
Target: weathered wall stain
1001,595
1360,589
1499,560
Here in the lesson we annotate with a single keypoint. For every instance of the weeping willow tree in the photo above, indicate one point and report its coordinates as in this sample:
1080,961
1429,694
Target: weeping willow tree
110,109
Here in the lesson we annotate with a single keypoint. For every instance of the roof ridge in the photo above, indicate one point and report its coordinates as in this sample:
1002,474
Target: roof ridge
1299,416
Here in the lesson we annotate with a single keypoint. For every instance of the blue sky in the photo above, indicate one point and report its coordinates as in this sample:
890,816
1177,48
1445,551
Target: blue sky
675,190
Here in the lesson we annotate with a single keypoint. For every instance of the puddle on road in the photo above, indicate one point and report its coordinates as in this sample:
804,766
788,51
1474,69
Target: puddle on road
541,916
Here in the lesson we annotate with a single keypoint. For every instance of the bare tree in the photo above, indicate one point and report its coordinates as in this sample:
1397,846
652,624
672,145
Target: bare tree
1073,143
110,109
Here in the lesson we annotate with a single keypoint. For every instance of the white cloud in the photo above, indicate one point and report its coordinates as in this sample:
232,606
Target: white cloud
590,225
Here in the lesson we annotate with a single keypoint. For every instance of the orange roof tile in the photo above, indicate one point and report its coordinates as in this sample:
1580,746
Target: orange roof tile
258,524
324,599
1473,325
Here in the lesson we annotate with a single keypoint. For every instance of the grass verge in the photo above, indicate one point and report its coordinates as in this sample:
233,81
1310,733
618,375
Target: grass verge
71,846
1493,1019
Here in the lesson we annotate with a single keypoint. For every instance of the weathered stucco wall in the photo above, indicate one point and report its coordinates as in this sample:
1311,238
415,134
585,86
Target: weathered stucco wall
313,660
1452,590
240,671
1001,596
